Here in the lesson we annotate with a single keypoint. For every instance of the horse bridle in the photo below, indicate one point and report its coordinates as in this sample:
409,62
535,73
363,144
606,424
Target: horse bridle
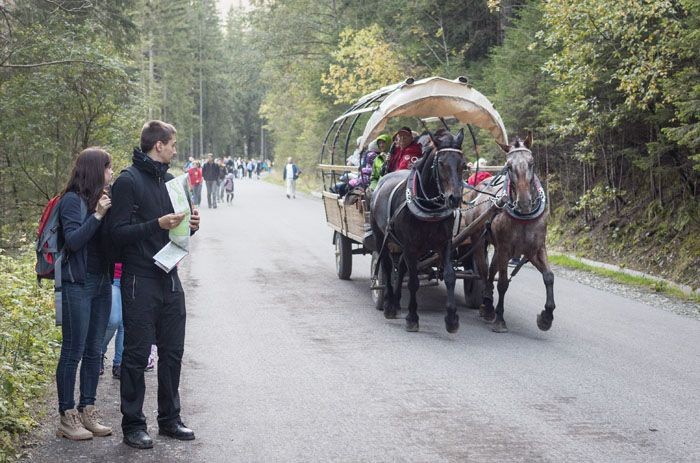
508,205
424,207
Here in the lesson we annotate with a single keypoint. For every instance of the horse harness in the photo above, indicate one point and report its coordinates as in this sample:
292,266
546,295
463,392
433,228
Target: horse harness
502,200
423,208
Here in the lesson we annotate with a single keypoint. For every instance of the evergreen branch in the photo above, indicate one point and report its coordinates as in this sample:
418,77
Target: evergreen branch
49,63
29,175
60,6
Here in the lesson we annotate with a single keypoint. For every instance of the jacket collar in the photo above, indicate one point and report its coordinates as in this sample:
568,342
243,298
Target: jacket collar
146,164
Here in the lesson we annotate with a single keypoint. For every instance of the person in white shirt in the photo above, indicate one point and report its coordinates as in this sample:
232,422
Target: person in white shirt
290,175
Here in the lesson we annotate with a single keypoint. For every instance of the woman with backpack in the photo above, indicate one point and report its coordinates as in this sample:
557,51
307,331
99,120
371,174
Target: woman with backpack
86,292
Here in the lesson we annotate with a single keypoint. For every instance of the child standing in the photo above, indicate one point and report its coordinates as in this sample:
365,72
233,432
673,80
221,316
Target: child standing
228,186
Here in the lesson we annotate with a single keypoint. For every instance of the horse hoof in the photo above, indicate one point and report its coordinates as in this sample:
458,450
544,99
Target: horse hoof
390,314
452,324
500,327
487,313
543,323
411,327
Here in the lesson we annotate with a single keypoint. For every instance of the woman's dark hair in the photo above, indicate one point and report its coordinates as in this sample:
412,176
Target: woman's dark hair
155,131
88,176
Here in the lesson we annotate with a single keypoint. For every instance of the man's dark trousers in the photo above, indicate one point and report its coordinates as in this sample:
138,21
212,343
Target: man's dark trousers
151,307
212,192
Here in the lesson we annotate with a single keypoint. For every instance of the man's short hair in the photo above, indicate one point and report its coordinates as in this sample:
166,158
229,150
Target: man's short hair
155,131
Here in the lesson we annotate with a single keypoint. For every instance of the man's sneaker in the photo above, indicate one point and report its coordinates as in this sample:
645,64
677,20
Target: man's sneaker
90,419
116,371
71,428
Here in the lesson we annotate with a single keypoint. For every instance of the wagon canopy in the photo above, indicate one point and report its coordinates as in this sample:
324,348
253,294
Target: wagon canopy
436,96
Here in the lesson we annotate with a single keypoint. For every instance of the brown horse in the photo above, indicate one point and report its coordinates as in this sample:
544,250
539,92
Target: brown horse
518,228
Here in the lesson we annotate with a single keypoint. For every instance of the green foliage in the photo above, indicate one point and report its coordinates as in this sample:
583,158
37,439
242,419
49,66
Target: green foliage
513,75
363,63
49,112
29,345
597,200
682,88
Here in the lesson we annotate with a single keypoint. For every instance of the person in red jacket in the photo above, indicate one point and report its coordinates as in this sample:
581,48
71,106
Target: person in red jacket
478,177
196,179
406,151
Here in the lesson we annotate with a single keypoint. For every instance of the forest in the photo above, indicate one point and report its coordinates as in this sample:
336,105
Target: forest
610,90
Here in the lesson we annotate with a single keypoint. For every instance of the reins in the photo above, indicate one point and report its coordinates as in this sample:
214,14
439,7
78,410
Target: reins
422,206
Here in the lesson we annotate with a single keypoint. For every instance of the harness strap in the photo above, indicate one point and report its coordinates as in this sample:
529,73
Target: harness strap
517,268
389,229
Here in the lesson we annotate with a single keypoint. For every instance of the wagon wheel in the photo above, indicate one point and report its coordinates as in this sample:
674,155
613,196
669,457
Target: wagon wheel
473,288
343,256
377,294
473,293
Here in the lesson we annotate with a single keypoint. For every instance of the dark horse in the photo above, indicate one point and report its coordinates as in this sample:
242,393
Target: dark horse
412,217
519,227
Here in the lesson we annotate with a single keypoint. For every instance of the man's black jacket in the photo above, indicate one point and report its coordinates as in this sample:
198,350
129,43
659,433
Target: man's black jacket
210,171
135,212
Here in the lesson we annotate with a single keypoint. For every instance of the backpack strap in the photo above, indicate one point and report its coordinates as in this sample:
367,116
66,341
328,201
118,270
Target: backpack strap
135,175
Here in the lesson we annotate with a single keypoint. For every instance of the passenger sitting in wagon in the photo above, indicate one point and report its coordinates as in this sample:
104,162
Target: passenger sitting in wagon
406,151
478,177
383,142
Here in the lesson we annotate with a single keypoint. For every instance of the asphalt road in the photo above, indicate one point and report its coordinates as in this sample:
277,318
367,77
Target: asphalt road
285,362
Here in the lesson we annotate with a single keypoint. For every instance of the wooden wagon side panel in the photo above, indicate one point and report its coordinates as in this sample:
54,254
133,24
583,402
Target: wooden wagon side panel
355,220
333,211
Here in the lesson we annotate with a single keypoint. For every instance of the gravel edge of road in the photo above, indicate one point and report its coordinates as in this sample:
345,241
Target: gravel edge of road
647,296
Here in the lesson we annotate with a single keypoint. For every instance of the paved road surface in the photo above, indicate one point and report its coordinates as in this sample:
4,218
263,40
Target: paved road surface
284,362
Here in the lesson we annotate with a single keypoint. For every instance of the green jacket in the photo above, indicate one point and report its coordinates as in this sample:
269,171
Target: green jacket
379,162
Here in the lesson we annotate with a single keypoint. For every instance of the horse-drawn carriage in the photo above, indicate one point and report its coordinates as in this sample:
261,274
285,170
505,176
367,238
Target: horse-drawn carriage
416,225
430,101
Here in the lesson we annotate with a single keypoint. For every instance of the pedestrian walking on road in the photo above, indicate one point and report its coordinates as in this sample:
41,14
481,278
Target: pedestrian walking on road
196,179
228,186
250,167
210,172
153,301
86,293
152,358
115,326
290,175
220,180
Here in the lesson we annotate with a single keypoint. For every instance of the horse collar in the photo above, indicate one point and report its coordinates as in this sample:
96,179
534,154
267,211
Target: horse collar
419,205
509,207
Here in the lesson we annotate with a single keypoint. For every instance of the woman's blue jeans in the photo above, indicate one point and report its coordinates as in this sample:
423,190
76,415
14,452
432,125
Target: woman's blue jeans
85,312
115,324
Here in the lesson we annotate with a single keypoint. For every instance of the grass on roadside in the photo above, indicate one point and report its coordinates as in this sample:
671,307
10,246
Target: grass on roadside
305,184
624,278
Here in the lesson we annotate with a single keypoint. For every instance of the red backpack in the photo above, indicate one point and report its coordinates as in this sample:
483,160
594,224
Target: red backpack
47,241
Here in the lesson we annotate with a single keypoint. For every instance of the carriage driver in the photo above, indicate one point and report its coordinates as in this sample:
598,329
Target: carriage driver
406,150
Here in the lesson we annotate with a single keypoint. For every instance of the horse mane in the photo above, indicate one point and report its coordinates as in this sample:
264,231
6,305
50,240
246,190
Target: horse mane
429,152
517,143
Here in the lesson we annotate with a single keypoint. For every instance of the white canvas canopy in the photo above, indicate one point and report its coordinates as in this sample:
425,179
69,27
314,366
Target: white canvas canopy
436,97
